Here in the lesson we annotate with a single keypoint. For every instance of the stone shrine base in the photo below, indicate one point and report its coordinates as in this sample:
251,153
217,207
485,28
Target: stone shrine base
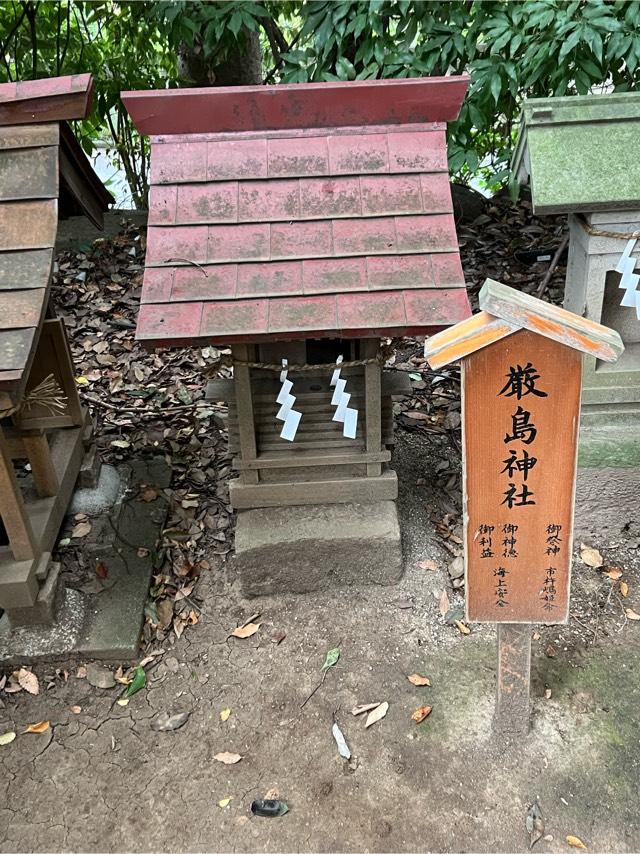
608,478
302,549
102,618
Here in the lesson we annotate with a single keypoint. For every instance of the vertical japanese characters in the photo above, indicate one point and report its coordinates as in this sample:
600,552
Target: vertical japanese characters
499,543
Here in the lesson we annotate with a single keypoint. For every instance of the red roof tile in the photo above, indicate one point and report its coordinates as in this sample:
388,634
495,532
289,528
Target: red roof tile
43,174
47,100
296,229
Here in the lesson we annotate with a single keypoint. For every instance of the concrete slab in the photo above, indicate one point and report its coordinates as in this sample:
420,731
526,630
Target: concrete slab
36,643
317,546
103,619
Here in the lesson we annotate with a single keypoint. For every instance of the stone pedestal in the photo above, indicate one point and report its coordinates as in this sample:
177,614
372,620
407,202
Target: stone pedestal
611,392
318,546
608,479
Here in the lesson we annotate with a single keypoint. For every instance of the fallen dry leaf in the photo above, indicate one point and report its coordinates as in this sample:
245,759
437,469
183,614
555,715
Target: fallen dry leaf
165,722
576,842
443,603
431,565
81,529
123,701
624,589
590,556
613,572
102,571
12,686
246,631
631,614
7,738
272,795
39,728
224,715
359,710
120,677
81,672
164,610
28,680
416,415
76,709
224,802
377,714
464,630
227,758
534,823
148,494
417,679
420,714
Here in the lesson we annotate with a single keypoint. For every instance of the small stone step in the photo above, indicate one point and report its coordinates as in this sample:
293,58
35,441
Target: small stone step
87,433
50,598
42,569
90,469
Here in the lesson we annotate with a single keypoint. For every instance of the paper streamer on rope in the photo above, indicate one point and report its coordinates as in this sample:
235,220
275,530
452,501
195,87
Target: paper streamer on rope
346,415
287,413
628,279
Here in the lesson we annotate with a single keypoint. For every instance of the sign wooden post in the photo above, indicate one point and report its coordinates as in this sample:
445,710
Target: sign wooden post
521,380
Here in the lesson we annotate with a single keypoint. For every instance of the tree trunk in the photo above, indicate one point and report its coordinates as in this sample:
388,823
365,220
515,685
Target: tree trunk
241,66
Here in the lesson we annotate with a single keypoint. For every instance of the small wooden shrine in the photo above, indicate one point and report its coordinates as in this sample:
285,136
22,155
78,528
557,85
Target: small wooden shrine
44,175
304,223
579,155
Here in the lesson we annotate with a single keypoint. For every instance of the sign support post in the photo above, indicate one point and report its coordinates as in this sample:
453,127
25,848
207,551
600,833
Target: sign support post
514,668
521,383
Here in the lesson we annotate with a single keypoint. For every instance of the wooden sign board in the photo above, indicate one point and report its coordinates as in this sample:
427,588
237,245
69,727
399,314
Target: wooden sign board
521,379
521,409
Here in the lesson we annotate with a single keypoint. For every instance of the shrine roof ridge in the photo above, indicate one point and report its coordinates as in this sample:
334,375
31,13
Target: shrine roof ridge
505,310
220,109
47,100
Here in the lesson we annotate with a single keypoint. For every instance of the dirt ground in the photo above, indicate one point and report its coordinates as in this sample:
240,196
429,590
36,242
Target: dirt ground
103,779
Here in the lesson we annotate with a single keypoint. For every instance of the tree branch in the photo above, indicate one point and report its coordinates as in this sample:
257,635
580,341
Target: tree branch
12,32
277,41
31,11
68,36
278,64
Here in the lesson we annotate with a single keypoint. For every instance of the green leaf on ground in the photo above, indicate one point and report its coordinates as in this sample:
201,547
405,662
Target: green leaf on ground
139,681
332,658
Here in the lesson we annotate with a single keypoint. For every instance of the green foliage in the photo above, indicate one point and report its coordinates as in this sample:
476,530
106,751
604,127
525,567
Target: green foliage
111,40
511,49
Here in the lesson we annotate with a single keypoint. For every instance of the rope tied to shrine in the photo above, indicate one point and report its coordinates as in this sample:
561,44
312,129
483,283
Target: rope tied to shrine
384,353
599,232
379,359
47,394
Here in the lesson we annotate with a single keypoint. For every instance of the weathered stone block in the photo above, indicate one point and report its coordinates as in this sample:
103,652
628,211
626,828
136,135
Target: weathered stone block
89,470
19,584
45,609
301,549
608,476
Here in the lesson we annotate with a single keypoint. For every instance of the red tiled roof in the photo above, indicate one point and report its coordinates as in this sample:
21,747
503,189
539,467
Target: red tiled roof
282,234
51,99
41,166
